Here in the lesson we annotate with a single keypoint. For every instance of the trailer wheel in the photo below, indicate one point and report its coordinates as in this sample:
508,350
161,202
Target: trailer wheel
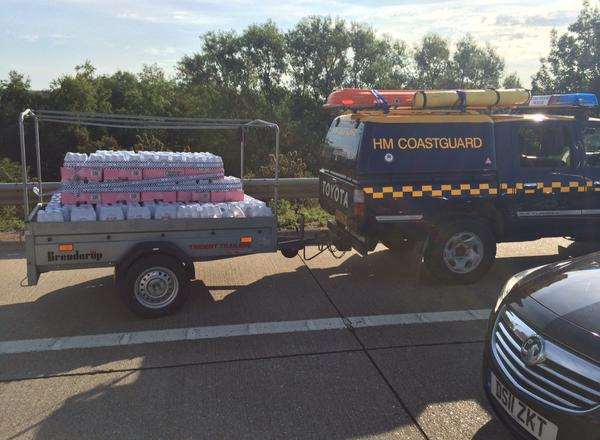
155,285
461,252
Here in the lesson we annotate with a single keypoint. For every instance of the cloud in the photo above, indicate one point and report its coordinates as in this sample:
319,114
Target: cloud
162,30
553,19
168,17
160,51
561,18
31,38
507,20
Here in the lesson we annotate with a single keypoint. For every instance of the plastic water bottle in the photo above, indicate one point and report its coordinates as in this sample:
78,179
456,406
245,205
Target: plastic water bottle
75,158
110,213
67,212
210,210
97,157
83,213
165,211
50,214
135,211
151,207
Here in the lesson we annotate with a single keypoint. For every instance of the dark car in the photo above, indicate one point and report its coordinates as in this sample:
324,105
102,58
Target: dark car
541,366
460,182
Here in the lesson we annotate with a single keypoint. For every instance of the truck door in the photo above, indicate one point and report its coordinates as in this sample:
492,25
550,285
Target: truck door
590,143
546,194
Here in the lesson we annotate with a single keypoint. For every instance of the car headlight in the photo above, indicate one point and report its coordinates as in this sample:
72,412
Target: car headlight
510,284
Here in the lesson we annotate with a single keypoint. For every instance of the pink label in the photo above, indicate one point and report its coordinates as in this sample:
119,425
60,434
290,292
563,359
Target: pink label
112,198
149,196
114,174
80,174
184,196
218,196
235,196
72,198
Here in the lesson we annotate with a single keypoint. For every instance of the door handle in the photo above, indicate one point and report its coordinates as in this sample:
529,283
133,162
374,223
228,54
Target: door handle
530,185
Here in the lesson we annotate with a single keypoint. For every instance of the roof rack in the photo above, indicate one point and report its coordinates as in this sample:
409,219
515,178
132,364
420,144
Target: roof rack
361,99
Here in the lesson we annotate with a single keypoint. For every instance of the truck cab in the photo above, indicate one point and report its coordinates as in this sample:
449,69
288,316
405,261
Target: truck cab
459,182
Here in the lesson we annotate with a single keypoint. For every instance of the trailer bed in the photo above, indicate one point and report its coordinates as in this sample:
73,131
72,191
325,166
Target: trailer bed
75,245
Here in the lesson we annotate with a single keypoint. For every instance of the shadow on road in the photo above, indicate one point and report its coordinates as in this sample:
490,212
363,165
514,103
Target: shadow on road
338,395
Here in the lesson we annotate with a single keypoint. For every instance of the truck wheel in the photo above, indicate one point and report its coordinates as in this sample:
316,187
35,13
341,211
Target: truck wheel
153,286
461,252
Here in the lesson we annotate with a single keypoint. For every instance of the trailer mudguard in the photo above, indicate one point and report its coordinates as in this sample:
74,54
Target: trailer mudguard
155,247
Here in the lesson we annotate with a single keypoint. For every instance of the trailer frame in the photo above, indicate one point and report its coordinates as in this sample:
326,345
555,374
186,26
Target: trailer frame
128,244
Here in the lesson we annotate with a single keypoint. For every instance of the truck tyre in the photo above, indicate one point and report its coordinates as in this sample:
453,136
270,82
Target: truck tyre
460,252
154,286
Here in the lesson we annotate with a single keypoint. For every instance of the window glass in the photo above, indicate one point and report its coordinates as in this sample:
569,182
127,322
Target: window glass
544,146
340,150
343,140
591,142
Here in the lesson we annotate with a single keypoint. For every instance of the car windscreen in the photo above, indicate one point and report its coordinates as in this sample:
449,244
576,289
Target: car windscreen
427,147
342,145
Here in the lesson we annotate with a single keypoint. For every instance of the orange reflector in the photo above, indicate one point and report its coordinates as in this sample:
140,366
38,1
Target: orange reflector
65,247
245,240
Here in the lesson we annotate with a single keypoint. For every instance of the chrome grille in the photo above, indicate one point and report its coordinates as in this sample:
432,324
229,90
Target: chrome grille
563,380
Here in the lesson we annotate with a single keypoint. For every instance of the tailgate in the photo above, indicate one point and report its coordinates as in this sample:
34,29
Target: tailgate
335,195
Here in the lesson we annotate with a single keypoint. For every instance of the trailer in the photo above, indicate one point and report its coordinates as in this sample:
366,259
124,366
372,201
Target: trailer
153,258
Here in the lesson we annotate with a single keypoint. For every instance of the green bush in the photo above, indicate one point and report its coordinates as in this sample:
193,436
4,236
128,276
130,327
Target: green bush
10,220
289,214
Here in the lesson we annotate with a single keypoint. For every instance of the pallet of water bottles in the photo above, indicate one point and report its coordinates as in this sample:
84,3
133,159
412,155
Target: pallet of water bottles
58,211
166,189
131,177
115,166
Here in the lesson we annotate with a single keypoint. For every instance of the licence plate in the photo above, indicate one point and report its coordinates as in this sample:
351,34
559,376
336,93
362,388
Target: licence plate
531,421
341,217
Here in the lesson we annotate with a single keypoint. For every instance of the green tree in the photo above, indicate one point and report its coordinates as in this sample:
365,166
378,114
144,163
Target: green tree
125,94
474,67
220,62
375,62
260,72
263,50
317,50
80,92
573,63
432,63
512,81
157,92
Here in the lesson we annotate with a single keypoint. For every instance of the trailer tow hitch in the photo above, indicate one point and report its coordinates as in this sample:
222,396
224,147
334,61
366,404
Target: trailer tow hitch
292,246
322,248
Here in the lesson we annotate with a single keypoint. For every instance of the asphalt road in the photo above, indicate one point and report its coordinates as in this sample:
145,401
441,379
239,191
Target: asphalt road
271,348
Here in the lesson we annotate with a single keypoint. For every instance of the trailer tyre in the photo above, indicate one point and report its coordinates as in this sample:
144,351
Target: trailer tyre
461,252
154,286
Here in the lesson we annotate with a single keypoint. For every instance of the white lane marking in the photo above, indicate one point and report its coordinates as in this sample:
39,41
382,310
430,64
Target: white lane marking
419,318
227,331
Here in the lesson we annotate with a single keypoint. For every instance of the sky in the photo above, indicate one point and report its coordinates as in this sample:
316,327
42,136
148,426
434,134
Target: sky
47,38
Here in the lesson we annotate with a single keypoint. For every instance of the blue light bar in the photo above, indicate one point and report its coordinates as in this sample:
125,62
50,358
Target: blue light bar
566,100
